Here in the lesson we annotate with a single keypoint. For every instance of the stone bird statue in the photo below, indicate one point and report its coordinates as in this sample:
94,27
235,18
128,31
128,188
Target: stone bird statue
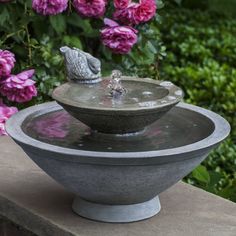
81,66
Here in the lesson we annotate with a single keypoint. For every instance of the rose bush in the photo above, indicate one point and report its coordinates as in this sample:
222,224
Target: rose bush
91,8
19,88
135,13
5,113
7,62
126,12
16,88
120,39
49,7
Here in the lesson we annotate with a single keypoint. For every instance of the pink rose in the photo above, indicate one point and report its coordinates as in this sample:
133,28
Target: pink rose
136,13
5,114
7,62
120,39
126,15
120,4
145,11
90,8
19,88
49,7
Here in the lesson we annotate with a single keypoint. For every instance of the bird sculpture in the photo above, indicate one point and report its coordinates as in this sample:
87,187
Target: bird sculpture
81,66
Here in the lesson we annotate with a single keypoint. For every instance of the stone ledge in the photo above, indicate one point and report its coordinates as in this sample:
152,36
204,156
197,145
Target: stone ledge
31,199
8,228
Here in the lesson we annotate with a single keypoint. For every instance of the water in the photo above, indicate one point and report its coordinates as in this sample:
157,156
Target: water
138,93
177,128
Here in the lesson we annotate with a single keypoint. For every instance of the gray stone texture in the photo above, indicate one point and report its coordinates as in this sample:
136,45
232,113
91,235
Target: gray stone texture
28,197
8,228
118,183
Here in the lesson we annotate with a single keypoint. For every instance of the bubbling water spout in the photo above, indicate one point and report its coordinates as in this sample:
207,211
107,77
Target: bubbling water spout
115,85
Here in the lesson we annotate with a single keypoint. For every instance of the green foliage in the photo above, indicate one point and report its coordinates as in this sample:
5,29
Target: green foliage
36,40
201,58
221,169
146,55
200,173
227,7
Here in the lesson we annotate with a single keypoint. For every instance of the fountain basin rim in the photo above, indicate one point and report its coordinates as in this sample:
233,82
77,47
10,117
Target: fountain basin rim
13,127
170,88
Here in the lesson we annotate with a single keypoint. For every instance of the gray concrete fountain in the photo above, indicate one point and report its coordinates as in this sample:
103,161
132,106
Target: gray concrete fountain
118,142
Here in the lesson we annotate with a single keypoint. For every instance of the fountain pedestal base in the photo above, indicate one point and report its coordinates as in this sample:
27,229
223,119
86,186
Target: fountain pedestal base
116,213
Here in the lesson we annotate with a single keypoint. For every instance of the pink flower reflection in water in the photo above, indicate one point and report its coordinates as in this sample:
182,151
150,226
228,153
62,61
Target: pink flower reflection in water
53,126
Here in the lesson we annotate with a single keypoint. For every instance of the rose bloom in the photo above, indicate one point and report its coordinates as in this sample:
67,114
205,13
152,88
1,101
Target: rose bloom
7,62
49,7
19,88
145,11
136,13
121,4
126,15
5,114
120,39
90,8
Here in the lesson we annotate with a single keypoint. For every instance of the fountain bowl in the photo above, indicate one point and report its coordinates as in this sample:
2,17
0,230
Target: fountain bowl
145,101
119,184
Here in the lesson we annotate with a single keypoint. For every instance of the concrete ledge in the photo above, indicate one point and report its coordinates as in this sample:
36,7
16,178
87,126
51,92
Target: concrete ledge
31,199
8,228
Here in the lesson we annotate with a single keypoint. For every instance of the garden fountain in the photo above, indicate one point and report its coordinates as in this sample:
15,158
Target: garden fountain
118,142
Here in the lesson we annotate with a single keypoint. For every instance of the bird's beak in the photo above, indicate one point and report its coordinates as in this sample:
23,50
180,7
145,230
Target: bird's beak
64,49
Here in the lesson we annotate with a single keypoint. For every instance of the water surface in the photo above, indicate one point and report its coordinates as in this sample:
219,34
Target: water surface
177,128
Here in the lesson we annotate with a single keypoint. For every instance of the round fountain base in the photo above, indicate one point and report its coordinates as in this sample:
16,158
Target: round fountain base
117,170
116,213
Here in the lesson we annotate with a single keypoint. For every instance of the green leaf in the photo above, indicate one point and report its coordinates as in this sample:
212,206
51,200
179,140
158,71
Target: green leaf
160,4
72,41
178,2
117,58
4,16
58,23
201,174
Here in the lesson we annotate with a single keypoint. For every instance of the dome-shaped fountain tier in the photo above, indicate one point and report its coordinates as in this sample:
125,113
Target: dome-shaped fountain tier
143,102
117,178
